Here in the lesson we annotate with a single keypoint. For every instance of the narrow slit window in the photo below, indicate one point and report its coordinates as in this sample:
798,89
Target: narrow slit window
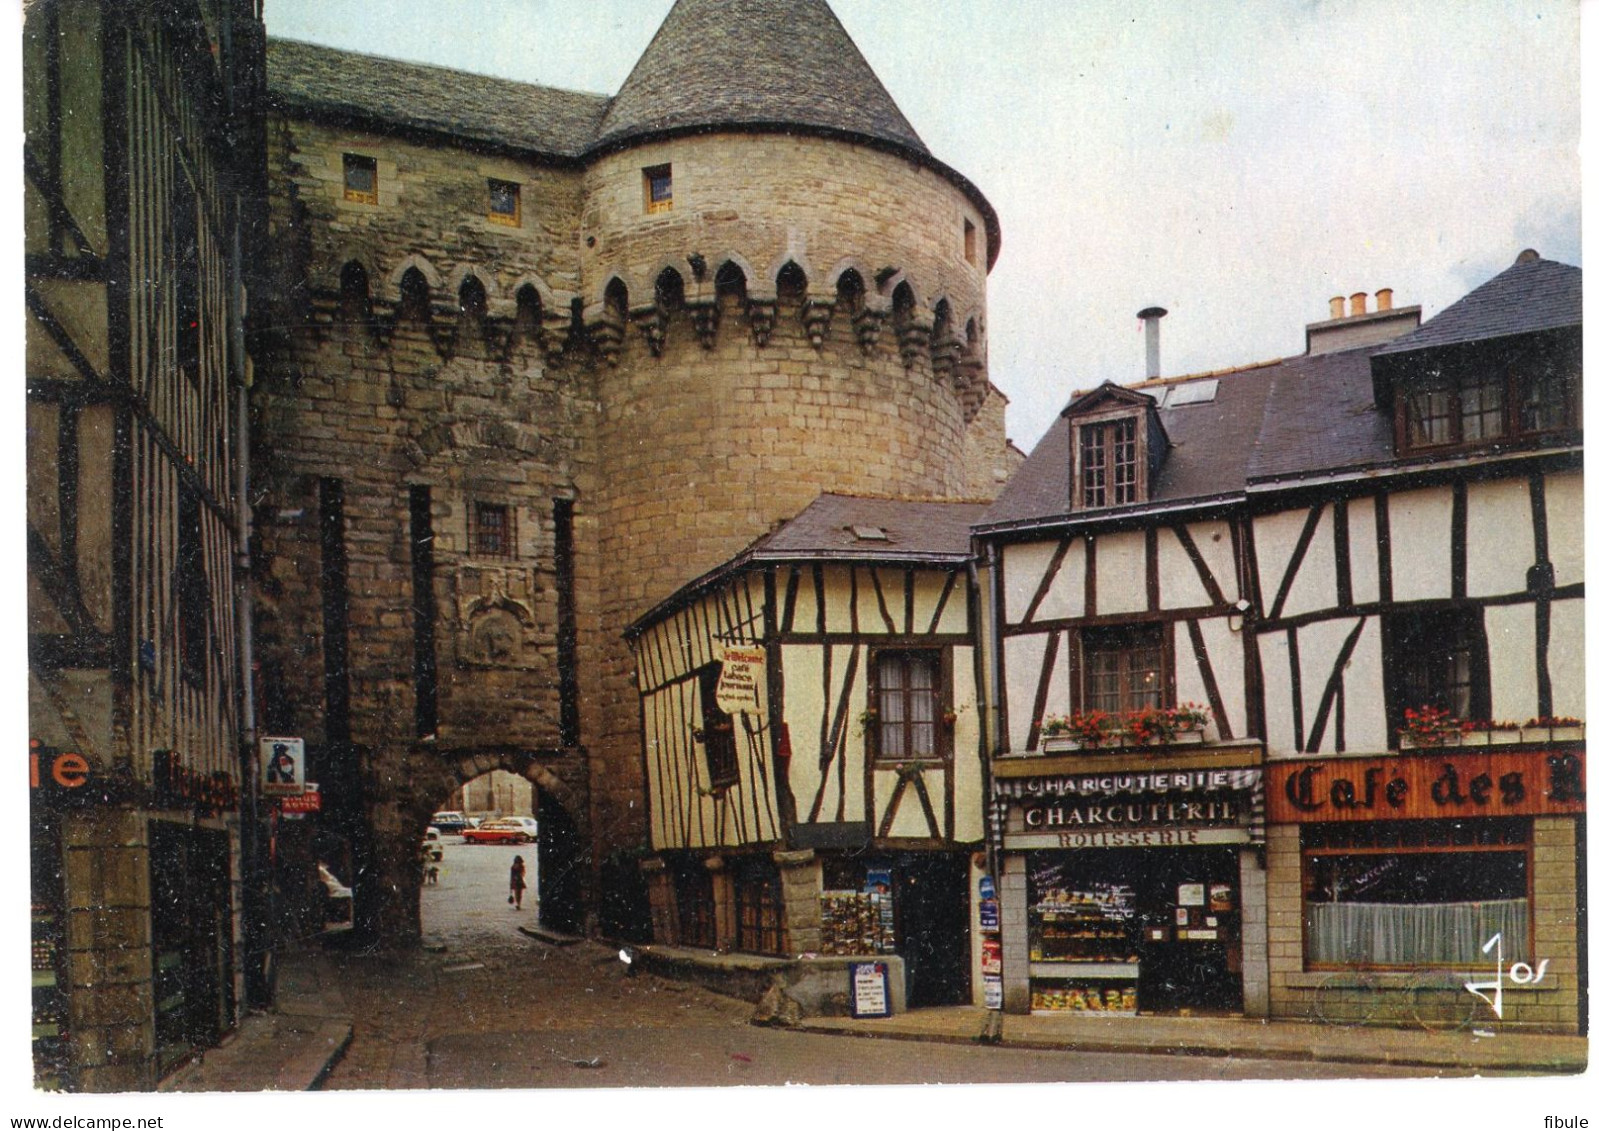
971,241
360,178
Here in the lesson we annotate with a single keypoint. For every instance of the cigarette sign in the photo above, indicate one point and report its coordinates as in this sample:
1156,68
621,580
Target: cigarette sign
743,674
282,767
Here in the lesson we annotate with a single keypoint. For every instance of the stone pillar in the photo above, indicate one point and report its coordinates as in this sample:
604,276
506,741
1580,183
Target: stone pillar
1551,1004
801,876
107,861
1252,924
663,900
1013,932
722,898
1285,924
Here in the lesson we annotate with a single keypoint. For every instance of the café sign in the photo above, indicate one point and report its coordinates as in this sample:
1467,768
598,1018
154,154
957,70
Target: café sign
1427,786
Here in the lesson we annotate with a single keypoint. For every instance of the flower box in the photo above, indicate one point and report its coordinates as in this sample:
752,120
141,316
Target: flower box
1057,742
1566,734
1474,738
1188,737
1504,736
1442,738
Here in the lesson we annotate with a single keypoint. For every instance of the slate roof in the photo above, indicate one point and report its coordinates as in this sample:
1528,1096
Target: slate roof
1296,416
386,93
1532,294
931,532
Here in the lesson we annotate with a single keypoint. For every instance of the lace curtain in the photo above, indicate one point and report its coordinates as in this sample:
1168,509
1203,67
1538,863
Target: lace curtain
1414,934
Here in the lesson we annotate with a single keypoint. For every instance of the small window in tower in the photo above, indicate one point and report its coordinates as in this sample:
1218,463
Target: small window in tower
971,242
505,203
658,188
493,533
360,178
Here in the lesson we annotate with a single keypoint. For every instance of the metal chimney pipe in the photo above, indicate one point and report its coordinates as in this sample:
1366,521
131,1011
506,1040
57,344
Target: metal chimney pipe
1151,316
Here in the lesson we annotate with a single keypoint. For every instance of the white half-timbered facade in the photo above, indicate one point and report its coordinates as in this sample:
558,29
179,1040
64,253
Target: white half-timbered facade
810,714
1354,563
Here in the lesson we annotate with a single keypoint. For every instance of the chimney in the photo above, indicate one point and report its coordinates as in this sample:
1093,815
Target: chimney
1358,327
1385,299
1151,316
1357,304
1336,307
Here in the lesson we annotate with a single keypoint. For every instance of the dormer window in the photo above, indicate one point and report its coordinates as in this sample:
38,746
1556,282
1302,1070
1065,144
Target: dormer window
1109,462
1118,443
1492,397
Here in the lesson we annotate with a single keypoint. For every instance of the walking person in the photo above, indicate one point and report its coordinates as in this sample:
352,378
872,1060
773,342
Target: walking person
518,882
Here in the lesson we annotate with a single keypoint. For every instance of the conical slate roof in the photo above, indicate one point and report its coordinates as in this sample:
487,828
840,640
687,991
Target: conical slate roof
1530,295
729,63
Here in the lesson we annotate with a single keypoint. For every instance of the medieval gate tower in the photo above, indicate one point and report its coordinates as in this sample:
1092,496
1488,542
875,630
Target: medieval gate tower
539,358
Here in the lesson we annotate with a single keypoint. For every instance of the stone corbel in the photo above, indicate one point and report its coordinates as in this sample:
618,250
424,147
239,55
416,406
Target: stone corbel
705,315
444,325
914,334
385,313
817,314
651,320
946,357
869,321
762,316
555,329
606,333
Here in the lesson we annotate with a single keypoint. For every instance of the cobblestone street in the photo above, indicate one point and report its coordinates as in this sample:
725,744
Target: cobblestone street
486,1006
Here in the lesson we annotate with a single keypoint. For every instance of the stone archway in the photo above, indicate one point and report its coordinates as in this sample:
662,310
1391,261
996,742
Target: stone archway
408,786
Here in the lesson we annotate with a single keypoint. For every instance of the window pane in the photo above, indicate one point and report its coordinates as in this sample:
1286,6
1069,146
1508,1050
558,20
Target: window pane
1482,412
1543,402
1093,455
1429,416
1125,472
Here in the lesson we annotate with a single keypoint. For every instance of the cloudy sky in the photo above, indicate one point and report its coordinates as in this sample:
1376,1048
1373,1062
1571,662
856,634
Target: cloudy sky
1238,163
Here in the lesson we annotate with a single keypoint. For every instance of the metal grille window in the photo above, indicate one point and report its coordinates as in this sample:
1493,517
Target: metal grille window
658,188
907,693
758,909
1124,669
360,178
493,532
505,203
1109,463
696,907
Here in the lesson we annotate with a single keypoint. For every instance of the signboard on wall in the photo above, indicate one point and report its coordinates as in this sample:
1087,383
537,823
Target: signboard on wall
868,989
1519,783
282,767
308,802
743,677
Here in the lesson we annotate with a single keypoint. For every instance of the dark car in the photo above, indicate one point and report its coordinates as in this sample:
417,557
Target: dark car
449,823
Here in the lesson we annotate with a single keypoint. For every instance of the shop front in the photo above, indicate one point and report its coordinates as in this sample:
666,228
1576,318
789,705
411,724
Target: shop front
1438,889
1132,891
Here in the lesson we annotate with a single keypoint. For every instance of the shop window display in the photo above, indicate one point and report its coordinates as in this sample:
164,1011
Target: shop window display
1415,894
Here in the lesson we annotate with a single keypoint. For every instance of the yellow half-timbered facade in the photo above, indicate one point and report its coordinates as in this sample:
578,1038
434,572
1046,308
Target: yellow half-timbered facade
811,720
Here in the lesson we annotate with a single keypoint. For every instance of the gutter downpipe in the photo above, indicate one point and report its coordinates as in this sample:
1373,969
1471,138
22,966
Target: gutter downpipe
987,731
258,982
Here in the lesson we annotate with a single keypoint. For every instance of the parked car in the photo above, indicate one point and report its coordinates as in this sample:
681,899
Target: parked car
449,822
527,823
432,847
502,830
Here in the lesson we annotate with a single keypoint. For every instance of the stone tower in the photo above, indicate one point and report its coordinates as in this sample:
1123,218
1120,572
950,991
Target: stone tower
543,357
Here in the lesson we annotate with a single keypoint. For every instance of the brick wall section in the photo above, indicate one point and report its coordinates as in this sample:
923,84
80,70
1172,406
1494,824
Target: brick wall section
107,859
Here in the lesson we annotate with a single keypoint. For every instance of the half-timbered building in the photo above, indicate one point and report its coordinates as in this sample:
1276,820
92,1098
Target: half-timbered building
1349,572
810,721
141,161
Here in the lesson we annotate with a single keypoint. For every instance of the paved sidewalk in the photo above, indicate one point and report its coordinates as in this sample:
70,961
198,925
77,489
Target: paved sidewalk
1238,1037
295,1046
289,1049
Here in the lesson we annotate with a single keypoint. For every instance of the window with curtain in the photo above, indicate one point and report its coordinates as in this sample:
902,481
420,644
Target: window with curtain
906,694
1415,894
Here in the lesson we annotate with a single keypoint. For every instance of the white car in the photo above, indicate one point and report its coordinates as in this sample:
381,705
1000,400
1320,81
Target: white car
527,823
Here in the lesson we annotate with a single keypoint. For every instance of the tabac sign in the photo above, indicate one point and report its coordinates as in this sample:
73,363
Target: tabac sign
1524,783
743,677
